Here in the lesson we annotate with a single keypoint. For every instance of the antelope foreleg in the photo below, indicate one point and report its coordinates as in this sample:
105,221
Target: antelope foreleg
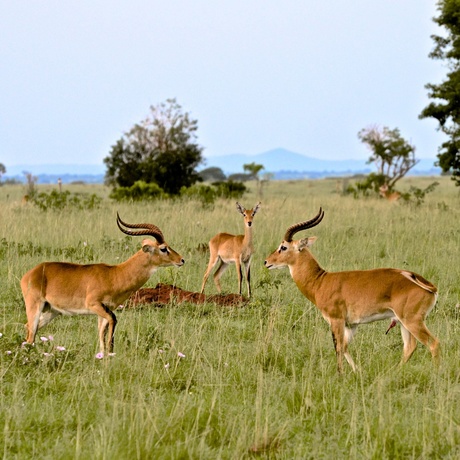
211,265
349,333
239,274
337,329
248,278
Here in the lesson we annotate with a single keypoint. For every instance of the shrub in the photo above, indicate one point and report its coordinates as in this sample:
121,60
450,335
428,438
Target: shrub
139,191
230,189
207,194
417,195
65,200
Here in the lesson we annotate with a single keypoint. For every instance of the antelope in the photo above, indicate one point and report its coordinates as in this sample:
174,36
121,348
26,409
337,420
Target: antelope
384,192
349,298
61,288
237,249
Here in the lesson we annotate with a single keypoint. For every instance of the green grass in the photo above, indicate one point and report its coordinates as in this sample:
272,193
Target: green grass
257,381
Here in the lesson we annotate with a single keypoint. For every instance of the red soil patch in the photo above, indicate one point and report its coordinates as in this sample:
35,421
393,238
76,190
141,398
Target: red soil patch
165,294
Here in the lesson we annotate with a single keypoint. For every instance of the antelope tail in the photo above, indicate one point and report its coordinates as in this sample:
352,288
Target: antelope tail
424,284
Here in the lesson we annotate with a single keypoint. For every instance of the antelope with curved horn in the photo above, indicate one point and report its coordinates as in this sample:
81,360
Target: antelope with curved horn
54,288
349,298
237,249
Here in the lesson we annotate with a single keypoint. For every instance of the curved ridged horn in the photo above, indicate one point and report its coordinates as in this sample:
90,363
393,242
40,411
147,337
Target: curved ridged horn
293,229
149,229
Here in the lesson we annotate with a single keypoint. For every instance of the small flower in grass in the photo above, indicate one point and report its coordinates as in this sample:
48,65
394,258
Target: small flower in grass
44,339
100,355
161,351
181,355
112,354
1,335
50,338
59,348
47,354
8,352
24,344
167,366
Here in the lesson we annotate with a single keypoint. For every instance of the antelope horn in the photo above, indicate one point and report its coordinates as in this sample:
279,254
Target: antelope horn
293,229
149,229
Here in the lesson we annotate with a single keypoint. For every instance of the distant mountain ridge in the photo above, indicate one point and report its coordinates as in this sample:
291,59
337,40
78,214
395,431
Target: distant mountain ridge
283,163
284,160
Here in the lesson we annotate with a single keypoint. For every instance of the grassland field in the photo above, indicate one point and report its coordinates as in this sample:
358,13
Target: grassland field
257,381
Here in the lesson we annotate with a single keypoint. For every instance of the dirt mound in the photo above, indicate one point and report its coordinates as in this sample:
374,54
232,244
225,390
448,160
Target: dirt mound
164,294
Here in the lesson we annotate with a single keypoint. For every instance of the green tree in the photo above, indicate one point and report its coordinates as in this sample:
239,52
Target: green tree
2,170
392,155
212,174
254,169
161,149
446,105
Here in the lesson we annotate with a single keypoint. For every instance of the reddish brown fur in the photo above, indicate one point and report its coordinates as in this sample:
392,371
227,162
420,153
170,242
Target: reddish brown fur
390,196
54,288
349,298
226,248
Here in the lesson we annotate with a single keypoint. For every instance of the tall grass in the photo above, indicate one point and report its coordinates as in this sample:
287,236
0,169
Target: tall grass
257,381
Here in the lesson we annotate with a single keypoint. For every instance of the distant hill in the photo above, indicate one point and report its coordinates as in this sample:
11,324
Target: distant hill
283,163
286,164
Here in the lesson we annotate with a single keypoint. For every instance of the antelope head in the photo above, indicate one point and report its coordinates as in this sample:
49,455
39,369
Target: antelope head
248,214
160,253
288,251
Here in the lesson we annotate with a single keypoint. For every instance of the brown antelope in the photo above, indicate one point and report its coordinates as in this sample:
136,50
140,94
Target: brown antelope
384,192
54,288
237,249
349,298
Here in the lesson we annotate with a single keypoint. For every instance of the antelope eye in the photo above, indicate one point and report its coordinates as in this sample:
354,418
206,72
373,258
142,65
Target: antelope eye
283,248
165,249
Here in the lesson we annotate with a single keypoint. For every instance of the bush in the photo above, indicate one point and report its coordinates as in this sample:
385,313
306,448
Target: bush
230,189
65,200
139,191
370,183
204,193
207,194
417,195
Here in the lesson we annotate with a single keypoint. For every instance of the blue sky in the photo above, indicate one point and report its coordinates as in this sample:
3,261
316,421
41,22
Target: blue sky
305,75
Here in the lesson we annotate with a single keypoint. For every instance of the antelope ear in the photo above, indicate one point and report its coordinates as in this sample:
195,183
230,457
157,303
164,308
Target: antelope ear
256,208
240,208
306,242
148,246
